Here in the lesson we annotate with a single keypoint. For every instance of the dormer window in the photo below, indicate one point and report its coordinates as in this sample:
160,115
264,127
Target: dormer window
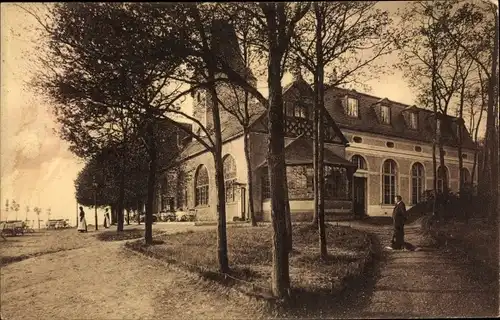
385,114
413,121
352,107
300,112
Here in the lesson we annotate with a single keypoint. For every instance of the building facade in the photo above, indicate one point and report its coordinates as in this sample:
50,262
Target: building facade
374,150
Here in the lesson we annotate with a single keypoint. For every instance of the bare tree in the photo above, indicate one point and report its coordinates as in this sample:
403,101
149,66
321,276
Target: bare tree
330,39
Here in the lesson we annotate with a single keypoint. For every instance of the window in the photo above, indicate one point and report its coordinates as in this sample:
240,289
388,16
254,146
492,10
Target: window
438,126
229,178
385,114
352,107
300,112
389,175
357,139
336,183
413,121
359,161
442,179
465,178
201,186
418,148
266,188
417,182
389,144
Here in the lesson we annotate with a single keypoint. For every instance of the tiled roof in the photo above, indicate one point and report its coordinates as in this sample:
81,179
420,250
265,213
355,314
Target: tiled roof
366,122
369,122
300,151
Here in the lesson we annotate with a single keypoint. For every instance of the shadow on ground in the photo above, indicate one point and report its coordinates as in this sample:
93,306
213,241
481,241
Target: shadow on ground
347,304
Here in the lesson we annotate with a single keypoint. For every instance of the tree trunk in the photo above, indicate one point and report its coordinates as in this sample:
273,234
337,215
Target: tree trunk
445,175
128,216
315,153
121,195
288,217
137,211
148,221
219,180
434,171
249,175
321,98
487,185
276,166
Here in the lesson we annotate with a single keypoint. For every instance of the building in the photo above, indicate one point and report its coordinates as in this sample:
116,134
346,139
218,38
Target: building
374,149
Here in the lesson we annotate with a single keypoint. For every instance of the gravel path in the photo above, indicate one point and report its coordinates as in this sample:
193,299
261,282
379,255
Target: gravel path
427,283
102,281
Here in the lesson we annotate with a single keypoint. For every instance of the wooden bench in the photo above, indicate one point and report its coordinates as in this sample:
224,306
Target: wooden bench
57,224
13,228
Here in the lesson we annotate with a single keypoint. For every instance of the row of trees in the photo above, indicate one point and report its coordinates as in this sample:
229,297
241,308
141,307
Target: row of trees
114,71
15,207
449,53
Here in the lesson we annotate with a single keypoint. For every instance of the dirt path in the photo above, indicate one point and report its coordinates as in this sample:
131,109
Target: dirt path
100,281
426,283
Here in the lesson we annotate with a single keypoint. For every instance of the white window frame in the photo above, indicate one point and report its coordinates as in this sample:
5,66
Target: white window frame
387,119
352,107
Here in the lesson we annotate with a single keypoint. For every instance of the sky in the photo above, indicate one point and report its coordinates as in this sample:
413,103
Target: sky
37,169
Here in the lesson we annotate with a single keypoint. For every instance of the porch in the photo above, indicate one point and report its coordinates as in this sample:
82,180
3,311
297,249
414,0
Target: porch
338,176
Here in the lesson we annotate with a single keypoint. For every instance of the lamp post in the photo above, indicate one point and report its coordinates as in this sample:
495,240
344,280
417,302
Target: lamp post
48,214
94,184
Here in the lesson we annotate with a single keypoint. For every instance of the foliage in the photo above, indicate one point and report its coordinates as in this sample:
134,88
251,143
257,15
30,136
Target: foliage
354,35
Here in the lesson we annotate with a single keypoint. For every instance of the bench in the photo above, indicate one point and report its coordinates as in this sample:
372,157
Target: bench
57,224
13,228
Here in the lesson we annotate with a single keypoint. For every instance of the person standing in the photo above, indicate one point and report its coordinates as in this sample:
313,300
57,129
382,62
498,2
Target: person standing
106,219
82,223
398,221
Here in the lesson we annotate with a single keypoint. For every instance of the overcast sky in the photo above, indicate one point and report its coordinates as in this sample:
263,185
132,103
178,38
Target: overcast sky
37,168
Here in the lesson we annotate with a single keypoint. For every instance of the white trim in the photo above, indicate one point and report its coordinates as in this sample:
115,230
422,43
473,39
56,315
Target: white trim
411,180
398,182
382,151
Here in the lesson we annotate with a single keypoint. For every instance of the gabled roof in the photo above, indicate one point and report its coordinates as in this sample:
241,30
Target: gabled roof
300,152
368,120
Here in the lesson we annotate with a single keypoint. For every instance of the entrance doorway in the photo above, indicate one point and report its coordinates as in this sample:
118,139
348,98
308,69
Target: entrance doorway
359,194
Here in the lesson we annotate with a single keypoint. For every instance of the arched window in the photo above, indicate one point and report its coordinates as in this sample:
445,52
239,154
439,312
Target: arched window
389,175
359,161
417,182
442,178
201,183
465,177
229,177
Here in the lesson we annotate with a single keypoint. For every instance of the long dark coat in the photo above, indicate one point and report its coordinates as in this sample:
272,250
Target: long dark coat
398,218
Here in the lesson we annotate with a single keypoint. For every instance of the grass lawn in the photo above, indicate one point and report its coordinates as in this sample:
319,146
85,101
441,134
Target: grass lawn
477,238
42,242
127,234
250,256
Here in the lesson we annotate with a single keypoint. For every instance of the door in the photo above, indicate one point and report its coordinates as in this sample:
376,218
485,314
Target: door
359,193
